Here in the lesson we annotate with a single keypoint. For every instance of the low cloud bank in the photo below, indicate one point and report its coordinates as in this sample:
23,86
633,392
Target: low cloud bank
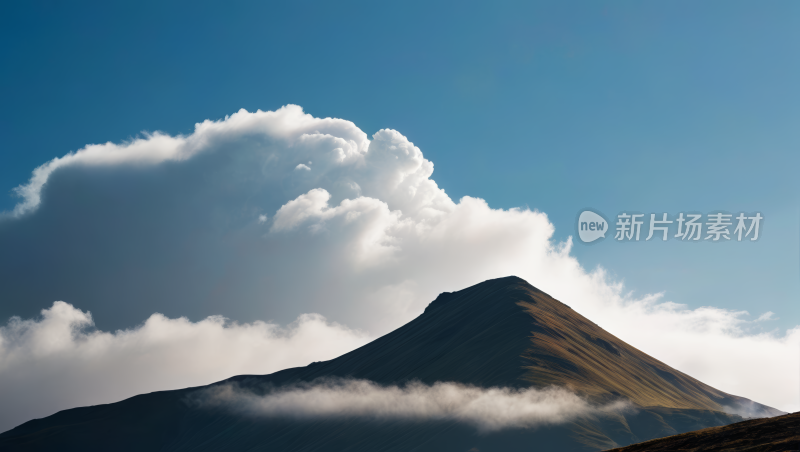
60,362
751,410
487,409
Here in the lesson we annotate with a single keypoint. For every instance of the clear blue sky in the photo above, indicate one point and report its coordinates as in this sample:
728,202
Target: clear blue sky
640,106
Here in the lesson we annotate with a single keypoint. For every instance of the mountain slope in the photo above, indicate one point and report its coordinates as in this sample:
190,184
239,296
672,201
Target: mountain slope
780,433
502,332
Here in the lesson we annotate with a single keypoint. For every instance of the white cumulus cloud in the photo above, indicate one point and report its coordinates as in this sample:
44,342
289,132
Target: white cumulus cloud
59,361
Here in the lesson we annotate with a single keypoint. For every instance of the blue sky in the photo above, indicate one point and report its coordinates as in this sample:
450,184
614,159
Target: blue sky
645,107
637,106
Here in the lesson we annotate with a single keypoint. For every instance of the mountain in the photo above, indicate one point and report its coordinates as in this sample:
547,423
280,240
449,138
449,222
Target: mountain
499,333
780,433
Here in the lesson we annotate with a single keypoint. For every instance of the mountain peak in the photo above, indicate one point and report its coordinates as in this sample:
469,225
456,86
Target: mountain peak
500,333
505,332
491,285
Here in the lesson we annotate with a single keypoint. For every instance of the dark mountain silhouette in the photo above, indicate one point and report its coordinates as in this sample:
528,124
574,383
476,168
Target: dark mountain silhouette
780,433
499,333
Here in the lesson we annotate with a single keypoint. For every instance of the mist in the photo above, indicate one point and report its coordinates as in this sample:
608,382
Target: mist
486,409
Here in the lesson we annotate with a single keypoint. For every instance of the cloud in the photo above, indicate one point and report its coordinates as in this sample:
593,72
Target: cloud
219,222
487,409
150,150
59,361
769,315
747,410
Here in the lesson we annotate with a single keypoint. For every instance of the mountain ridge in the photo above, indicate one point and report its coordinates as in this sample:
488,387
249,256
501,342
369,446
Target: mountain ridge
781,433
499,333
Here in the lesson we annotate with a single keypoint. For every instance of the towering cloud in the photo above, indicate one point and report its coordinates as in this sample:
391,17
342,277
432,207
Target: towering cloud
268,215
